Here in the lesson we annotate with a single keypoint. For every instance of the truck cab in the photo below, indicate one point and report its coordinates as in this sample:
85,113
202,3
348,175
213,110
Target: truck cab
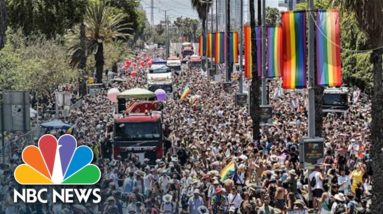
174,63
335,100
160,77
139,134
187,50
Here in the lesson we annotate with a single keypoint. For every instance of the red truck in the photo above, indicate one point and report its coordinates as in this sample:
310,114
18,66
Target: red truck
139,132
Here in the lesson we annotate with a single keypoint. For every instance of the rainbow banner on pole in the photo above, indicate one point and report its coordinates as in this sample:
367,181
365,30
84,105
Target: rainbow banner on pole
219,53
202,44
329,71
294,51
210,44
233,48
274,51
228,171
247,49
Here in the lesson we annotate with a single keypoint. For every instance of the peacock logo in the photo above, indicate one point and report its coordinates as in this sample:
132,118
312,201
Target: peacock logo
57,162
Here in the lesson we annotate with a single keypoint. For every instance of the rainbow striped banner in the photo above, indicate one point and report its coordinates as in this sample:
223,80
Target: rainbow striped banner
247,49
219,47
274,51
210,44
233,47
329,71
294,51
202,44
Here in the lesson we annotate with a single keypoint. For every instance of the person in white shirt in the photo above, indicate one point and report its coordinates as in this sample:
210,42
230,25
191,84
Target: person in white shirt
344,182
234,199
316,177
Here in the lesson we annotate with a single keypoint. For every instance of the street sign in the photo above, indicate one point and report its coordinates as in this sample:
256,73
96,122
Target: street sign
311,151
266,114
15,111
241,99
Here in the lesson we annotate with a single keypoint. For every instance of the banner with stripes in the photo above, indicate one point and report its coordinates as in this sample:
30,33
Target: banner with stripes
294,49
274,51
329,70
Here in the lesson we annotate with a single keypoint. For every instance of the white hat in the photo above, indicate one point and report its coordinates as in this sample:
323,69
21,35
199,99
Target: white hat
167,198
340,197
203,210
196,191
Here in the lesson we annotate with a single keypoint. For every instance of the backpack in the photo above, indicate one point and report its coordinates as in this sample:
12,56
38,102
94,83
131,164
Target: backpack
313,182
340,208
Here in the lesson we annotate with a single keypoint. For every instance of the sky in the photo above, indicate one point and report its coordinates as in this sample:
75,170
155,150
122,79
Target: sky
176,8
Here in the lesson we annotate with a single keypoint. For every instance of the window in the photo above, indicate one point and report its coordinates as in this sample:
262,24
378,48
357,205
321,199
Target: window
138,131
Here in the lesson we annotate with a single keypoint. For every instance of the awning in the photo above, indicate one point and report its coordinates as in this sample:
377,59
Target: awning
139,93
56,124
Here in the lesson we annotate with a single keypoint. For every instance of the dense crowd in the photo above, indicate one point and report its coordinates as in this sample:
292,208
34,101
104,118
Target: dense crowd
207,134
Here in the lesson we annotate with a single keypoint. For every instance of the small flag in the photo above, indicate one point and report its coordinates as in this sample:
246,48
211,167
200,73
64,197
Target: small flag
228,171
185,92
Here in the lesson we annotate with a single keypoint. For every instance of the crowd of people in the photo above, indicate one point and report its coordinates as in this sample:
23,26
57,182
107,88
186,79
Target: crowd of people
206,135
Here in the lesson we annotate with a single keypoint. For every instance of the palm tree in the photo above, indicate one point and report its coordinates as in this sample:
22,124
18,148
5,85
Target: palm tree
202,8
368,13
255,109
102,25
3,23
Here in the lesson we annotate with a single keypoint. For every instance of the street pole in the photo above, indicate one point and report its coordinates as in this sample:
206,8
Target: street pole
211,31
227,40
311,73
167,36
216,29
263,55
2,126
206,31
241,50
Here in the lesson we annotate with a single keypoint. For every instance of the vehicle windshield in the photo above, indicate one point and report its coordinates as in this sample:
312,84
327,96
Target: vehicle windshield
159,70
335,99
187,53
166,87
134,131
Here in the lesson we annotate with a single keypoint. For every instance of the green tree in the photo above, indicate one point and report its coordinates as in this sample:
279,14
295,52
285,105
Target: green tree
368,14
49,17
187,27
35,64
3,22
103,25
272,16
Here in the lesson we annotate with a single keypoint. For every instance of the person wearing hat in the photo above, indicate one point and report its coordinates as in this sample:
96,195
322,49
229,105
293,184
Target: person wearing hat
195,201
301,206
339,205
168,206
110,206
218,201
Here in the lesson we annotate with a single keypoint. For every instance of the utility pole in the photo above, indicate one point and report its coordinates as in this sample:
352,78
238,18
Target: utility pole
241,50
152,12
167,36
263,54
228,72
311,72
211,31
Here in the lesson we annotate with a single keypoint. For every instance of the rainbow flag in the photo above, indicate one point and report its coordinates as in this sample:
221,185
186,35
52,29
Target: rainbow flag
228,171
274,51
219,53
247,49
233,47
185,92
329,71
202,44
210,44
294,49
